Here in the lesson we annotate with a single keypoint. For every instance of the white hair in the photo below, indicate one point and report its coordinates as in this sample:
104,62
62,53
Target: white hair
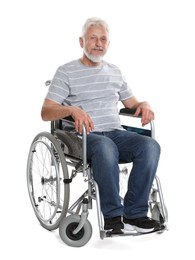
94,21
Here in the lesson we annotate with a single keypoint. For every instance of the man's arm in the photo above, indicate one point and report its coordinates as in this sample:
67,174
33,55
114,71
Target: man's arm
141,108
53,111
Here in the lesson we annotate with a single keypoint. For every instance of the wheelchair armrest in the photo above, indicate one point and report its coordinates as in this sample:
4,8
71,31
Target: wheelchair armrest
127,112
130,112
69,118
68,122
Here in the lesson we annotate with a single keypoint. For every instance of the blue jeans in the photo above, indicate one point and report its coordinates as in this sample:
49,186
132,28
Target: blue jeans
105,150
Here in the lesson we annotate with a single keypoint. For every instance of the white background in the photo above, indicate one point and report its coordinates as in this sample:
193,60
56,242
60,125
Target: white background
153,43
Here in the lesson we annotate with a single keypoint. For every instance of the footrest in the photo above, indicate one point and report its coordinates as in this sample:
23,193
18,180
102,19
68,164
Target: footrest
120,232
114,232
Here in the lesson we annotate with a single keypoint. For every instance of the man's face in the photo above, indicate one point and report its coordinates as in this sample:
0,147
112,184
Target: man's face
95,43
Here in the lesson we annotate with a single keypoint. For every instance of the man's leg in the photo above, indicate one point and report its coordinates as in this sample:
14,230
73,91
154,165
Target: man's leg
103,153
144,152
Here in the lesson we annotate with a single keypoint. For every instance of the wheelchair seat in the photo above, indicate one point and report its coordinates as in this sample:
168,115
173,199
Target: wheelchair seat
73,143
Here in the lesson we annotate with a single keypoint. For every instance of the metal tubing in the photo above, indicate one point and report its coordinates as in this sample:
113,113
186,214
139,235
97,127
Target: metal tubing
84,143
164,213
83,218
100,218
152,127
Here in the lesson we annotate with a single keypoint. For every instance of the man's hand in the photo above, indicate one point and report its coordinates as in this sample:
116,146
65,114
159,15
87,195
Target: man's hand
146,113
53,111
81,118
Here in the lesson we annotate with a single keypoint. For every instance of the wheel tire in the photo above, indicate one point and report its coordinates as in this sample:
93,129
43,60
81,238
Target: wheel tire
56,205
68,225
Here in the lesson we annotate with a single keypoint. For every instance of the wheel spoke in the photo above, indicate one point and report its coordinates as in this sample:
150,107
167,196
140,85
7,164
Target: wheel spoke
46,171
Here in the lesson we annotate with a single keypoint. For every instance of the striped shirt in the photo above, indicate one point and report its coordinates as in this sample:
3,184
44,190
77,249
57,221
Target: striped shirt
96,90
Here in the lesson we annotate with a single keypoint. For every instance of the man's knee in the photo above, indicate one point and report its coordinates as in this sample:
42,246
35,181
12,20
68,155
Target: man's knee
152,148
104,148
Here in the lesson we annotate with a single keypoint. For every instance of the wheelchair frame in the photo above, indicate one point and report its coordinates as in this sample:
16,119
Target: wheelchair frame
48,182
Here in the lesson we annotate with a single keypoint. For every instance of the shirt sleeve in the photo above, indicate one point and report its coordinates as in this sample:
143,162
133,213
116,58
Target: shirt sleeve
59,87
125,91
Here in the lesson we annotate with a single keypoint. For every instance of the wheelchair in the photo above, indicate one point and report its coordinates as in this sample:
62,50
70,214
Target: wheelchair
55,159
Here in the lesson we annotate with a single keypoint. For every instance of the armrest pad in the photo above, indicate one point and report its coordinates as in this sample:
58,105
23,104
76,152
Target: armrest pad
69,118
127,111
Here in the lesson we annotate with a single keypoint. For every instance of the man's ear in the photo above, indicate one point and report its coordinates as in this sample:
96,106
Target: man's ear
81,41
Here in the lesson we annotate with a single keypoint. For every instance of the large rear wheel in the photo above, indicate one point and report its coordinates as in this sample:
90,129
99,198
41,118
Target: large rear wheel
46,171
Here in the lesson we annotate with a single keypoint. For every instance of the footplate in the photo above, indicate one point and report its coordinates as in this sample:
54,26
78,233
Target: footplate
123,232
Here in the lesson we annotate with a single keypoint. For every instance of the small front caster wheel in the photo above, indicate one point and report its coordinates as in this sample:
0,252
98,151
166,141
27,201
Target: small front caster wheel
68,225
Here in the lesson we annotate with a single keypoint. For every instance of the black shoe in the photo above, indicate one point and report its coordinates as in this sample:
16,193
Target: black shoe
143,225
113,224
